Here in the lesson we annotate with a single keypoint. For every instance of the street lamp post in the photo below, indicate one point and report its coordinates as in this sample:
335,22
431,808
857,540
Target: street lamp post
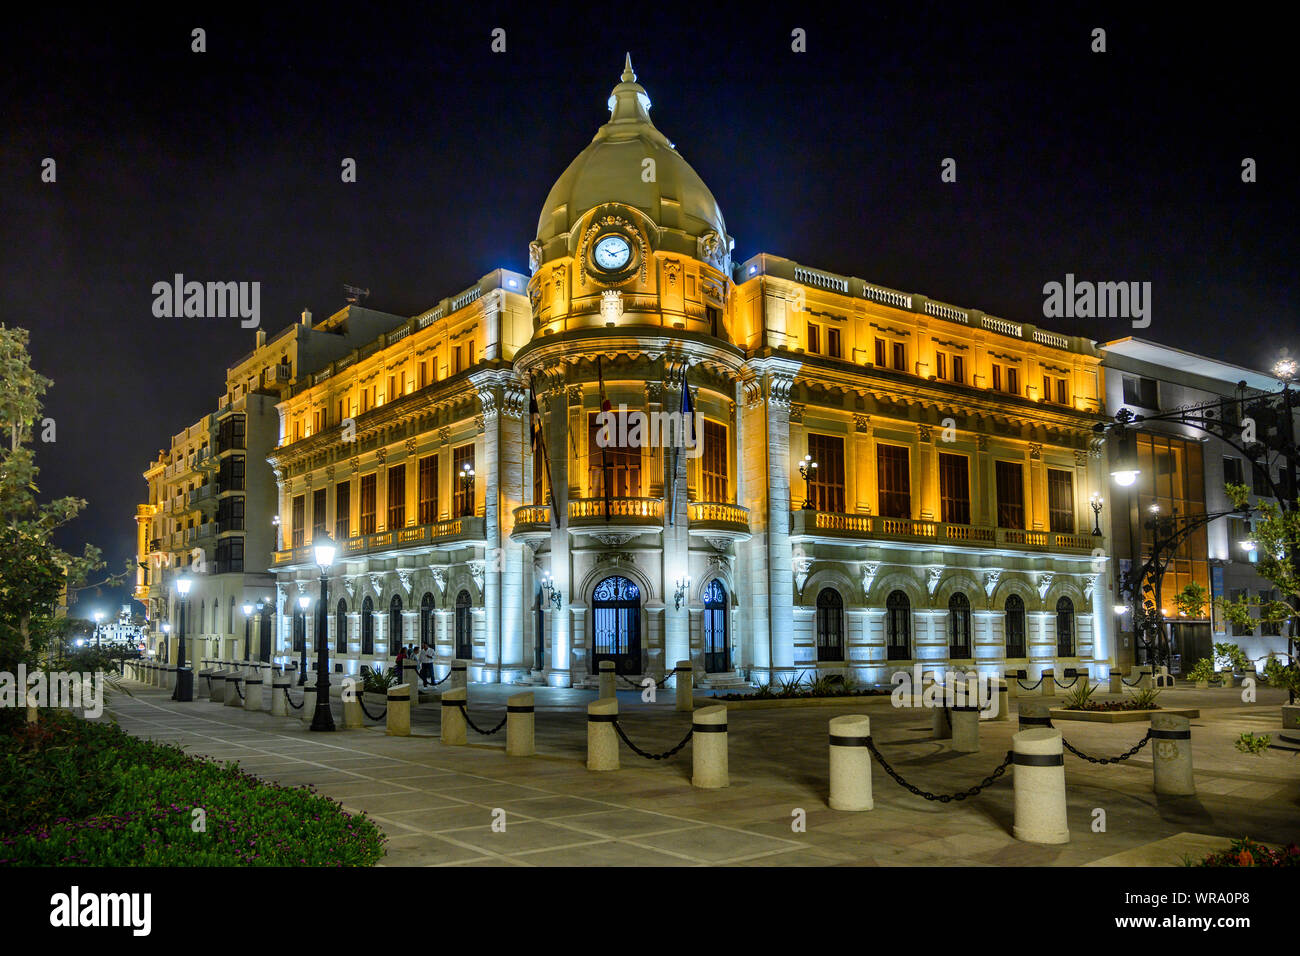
1095,501
99,620
167,642
807,468
184,676
248,618
322,719
467,476
303,602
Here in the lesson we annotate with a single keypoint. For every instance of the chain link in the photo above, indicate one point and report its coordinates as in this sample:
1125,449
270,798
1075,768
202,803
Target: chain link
1131,751
435,683
649,756
238,691
941,797
1130,683
486,733
361,699
658,683
1034,686
289,697
1064,685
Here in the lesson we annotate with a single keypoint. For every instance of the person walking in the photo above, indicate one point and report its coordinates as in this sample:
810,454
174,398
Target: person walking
426,661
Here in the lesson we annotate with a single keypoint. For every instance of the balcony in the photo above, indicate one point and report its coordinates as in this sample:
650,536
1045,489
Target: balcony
828,525
198,494
532,523
712,519
445,535
627,517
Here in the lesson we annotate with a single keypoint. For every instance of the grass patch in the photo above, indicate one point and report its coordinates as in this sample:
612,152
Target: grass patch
80,793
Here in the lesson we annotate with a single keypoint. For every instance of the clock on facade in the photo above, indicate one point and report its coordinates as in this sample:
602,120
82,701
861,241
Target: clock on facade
611,253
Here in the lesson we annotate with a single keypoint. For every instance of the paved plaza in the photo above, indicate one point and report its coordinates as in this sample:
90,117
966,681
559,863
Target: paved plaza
437,803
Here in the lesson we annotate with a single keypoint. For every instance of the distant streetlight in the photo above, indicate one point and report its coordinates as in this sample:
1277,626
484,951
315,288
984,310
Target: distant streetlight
807,468
1096,502
323,719
248,618
184,675
303,602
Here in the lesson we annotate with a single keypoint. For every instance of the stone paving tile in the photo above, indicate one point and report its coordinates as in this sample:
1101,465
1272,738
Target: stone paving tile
358,788
627,823
492,794
548,808
707,844
393,804
422,850
522,837
452,818
609,853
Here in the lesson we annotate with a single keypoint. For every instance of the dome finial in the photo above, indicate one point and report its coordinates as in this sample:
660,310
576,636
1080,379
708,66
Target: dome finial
628,76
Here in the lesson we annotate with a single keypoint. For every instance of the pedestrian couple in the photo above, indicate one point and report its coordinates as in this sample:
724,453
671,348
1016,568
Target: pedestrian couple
424,658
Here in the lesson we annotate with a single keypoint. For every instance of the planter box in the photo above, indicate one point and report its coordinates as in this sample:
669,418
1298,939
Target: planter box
1120,716
856,701
1202,685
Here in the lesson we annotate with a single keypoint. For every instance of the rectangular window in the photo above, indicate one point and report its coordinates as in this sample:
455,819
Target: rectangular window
392,388
880,353
958,369
368,504
814,339
299,520
342,511
894,479
827,485
1060,500
619,464
833,343
1011,494
1062,392
714,462
1013,381
230,513
319,525
1172,476
954,488
397,497
1140,392
428,488
455,365
1259,480
539,474
231,475
900,357
1232,471
424,374
463,500
940,365
997,378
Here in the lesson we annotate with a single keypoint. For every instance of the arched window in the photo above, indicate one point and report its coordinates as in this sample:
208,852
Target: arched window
341,627
959,626
616,625
1015,626
464,628
898,626
830,625
717,649
396,638
426,619
367,626
1064,627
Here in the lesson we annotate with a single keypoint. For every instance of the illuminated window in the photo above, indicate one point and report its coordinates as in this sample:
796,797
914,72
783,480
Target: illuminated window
1060,500
894,480
900,356
959,626
619,465
827,486
1015,626
880,353
898,626
429,489
1065,628
463,498
368,504
830,625
833,348
299,520
342,511
397,497
954,489
714,462
1011,494
814,339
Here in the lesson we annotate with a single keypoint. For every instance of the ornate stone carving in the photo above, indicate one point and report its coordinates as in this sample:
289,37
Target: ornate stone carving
329,472
923,434
932,578
718,544
381,455
611,305
1090,585
982,442
410,446
356,464
1045,579
862,423
613,539
303,586
719,562
802,566
778,389
709,247
1096,446
991,582
575,394
476,570
350,585
404,575
616,557
654,393
514,401
672,272
534,256
560,272
281,592
753,393
796,413
307,479
1035,451
439,575
479,424
376,582
1080,457
869,571
444,435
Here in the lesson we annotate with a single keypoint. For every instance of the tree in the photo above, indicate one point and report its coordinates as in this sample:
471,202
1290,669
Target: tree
1191,600
34,573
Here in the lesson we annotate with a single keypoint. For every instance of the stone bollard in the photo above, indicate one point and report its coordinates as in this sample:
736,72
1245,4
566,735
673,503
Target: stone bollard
1116,682
279,696
168,678
602,739
709,748
685,681
966,730
233,690
520,725
201,682
459,672
308,703
606,679
1003,698
1048,687
851,763
1038,776
399,711
940,723
217,687
1035,714
1146,678
1171,758
253,693
453,718
353,717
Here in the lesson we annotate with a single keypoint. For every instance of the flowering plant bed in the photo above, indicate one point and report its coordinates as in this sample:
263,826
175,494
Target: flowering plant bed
1114,705
1119,716
82,793
1246,852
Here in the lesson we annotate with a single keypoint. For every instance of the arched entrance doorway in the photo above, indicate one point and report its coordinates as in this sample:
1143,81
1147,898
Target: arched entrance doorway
616,625
717,646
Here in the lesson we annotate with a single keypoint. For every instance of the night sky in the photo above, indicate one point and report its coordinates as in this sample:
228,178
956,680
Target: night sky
225,166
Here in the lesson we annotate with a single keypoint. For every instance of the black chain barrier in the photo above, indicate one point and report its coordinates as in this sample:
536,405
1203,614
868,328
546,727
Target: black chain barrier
658,683
361,699
238,691
208,678
649,756
289,697
1131,751
1128,683
1069,685
941,797
486,733
435,683
1034,686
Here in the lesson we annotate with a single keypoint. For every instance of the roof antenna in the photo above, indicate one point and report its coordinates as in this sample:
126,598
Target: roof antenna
353,294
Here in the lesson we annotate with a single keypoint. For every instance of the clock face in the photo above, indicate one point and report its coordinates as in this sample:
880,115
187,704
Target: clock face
612,253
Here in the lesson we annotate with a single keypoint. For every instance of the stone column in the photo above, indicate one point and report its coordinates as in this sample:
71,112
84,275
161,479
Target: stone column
554,399
676,536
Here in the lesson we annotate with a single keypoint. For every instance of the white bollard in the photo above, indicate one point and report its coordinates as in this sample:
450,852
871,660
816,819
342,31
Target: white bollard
1048,687
602,739
308,703
685,680
940,723
459,672
1146,678
1038,776
1035,713
709,748
217,687
279,696
453,732
1004,699
1171,758
233,691
520,725
851,763
253,693
1116,682
169,678
399,711
606,679
353,717
966,730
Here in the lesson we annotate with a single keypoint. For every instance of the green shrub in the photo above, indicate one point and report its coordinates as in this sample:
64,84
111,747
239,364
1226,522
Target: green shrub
378,681
1080,696
1245,852
1230,655
1248,743
1201,670
1145,699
